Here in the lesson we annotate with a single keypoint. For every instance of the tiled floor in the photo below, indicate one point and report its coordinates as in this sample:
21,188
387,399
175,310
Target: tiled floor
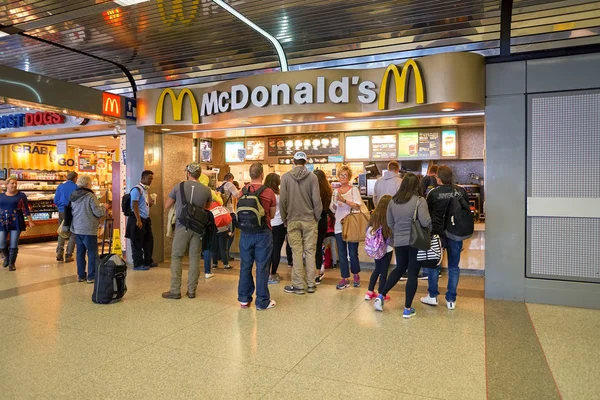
57,344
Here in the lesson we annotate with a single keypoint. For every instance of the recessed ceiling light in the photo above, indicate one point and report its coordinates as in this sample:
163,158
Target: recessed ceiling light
286,120
126,3
447,109
65,111
330,117
101,145
246,122
165,129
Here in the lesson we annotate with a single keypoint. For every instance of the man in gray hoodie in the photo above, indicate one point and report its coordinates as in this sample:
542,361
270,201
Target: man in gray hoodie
300,206
389,183
86,214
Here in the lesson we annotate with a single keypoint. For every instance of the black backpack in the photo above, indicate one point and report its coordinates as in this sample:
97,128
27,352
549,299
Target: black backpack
221,190
193,217
126,203
251,216
459,220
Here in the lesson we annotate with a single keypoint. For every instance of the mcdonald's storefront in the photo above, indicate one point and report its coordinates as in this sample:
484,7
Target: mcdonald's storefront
420,112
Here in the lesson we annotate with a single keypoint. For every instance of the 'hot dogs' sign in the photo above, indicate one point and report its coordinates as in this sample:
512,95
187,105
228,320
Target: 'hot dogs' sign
30,119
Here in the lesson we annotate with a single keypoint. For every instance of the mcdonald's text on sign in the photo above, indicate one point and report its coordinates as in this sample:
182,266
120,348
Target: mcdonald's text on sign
111,104
320,91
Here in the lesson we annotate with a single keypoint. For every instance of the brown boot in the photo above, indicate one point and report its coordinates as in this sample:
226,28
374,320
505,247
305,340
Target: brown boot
13,252
6,255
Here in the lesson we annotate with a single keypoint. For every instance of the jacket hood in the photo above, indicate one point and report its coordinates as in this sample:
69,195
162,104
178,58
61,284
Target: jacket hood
299,172
390,175
80,194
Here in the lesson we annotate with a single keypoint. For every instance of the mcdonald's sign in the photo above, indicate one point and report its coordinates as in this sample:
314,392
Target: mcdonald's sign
111,104
177,11
177,105
402,83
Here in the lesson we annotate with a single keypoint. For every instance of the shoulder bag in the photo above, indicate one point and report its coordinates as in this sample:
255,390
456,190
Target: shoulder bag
420,237
354,225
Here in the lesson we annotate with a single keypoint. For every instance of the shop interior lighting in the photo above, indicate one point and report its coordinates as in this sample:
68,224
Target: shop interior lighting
126,3
278,48
447,109
165,129
246,122
330,117
286,120
2,34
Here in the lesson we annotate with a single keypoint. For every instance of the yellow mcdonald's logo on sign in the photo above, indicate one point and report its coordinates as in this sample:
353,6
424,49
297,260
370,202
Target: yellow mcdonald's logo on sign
178,11
177,105
402,83
111,104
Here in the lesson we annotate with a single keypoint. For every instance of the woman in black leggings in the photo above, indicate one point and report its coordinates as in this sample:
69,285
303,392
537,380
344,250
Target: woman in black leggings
272,181
326,193
399,217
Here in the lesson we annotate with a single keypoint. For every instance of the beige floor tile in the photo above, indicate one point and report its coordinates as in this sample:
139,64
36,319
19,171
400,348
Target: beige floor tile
296,386
570,339
159,373
279,337
49,356
394,355
12,325
146,318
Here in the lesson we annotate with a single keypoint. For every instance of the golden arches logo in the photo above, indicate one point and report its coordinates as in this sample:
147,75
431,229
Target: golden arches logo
177,105
177,11
402,81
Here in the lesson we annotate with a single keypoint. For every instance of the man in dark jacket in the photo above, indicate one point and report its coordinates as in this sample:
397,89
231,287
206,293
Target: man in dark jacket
61,199
429,182
300,205
438,201
86,215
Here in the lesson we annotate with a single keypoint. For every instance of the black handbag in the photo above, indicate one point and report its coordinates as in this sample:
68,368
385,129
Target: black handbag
420,237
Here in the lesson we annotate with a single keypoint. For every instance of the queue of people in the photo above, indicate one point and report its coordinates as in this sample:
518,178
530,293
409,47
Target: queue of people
300,207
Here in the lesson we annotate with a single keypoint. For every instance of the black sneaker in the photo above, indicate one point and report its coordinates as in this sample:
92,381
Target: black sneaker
319,278
59,257
169,295
311,289
293,289
80,279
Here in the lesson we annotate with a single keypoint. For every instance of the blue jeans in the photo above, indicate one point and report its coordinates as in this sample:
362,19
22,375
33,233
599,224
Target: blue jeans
453,249
343,249
255,247
87,243
14,239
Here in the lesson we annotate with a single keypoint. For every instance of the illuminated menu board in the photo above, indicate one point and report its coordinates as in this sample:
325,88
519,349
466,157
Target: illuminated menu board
357,147
311,145
427,144
255,149
235,152
384,147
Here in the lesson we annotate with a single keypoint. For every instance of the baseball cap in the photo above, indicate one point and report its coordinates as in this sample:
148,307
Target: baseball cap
300,156
193,168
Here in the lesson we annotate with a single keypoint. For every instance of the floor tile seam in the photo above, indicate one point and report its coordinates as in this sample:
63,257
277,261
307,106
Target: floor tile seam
32,285
371,386
543,352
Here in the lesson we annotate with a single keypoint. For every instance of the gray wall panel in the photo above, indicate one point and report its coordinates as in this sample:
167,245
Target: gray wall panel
506,78
563,73
574,294
506,199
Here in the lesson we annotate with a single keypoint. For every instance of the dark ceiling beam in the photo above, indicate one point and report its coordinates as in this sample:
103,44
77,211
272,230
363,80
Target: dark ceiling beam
505,26
83,53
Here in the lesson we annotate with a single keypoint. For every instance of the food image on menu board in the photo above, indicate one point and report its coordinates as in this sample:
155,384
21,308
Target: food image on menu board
232,151
357,147
384,147
255,150
429,144
408,145
449,143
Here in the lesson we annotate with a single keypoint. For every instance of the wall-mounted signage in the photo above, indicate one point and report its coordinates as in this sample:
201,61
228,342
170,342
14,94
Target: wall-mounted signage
427,144
255,149
232,151
130,109
408,145
449,143
335,159
30,119
313,145
358,147
435,79
111,104
36,156
384,147
85,164
205,151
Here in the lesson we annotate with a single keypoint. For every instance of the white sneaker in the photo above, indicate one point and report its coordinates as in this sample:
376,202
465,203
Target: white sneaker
208,276
451,305
432,301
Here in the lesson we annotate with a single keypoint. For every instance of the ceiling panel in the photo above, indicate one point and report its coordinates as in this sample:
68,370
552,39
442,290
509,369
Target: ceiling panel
176,42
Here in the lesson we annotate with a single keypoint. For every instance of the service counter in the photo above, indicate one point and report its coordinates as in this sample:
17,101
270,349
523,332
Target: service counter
472,256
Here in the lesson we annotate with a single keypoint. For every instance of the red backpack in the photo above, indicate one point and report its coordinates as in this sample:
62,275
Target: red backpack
221,214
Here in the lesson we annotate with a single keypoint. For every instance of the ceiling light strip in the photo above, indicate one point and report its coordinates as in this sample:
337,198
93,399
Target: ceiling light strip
278,48
335,122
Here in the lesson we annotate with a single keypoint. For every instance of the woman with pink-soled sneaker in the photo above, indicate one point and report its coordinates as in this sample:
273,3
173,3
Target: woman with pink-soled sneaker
378,245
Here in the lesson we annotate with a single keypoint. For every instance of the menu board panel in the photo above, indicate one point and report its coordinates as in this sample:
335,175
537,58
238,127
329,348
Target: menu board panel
312,145
449,143
233,153
429,144
408,145
205,151
384,147
357,147
255,149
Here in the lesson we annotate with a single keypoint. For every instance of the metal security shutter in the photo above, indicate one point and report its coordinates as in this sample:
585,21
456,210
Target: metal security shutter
563,205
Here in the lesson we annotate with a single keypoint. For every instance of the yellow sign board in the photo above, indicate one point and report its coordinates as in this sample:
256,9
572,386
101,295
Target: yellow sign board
36,156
